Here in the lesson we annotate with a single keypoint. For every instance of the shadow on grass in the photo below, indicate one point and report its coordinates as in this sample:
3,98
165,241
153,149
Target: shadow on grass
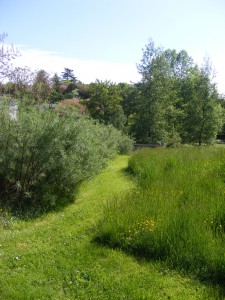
128,173
210,278
28,209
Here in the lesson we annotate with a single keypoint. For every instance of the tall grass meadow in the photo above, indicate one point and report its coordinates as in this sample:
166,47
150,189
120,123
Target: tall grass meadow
176,213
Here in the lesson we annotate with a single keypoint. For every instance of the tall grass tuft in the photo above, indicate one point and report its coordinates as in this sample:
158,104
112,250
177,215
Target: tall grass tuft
177,211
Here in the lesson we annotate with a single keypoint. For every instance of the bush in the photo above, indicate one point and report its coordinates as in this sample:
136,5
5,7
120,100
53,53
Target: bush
43,156
125,145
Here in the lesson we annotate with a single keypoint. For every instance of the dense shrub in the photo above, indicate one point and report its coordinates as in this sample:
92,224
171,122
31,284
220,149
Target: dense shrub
43,155
125,144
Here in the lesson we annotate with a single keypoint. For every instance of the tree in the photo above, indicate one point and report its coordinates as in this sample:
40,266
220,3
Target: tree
105,103
129,94
41,86
156,110
68,75
55,94
22,79
203,114
83,90
63,89
180,64
7,54
56,81
177,99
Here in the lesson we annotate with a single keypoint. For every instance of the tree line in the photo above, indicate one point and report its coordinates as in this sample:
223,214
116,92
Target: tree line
176,101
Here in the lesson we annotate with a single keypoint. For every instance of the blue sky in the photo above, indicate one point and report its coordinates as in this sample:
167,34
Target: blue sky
104,39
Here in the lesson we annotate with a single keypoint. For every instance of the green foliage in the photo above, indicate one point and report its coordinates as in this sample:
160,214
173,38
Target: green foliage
63,89
83,91
22,80
104,104
44,155
41,88
125,144
175,102
175,99
176,213
203,115
55,96
156,112
129,94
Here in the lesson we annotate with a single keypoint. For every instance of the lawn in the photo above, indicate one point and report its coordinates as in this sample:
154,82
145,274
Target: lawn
55,256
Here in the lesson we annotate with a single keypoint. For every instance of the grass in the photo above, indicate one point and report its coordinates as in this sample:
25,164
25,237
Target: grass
54,256
177,213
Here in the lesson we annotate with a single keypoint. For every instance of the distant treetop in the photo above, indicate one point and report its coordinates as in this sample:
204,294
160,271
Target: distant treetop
68,75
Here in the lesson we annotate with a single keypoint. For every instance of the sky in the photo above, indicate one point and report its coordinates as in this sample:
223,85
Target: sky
103,39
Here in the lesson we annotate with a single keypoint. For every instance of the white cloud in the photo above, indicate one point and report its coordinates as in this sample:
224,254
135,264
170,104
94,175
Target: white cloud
84,70
219,65
88,71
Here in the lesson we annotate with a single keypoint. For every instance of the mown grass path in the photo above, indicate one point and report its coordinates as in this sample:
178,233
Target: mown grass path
54,256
